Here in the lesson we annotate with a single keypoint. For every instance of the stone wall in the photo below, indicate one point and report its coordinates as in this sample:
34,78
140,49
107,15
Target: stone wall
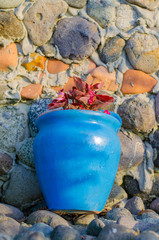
44,43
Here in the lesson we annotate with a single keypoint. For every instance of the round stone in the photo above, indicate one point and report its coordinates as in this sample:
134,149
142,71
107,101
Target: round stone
40,19
23,189
112,49
125,21
103,12
135,205
76,3
149,4
95,227
115,213
137,114
76,38
11,27
147,235
115,231
10,4
65,233
11,211
116,195
143,52
47,217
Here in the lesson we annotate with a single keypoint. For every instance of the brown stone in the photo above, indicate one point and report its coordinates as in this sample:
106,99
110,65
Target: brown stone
143,52
112,49
9,226
40,19
149,4
8,57
11,211
5,163
55,66
31,91
11,27
137,82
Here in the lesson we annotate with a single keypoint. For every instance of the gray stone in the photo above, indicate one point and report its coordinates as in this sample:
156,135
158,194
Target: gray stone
95,227
148,213
155,144
25,153
155,205
65,233
137,114
37,108
11,27
148,235
76,3
40,19
47,217
135,155
31,236
112,49
41,227
143,52
9,226
103,12
5,163
5,237
157,107
9,134
126,221
40,230
23,190
114,231
3,89
11,211
125,22
48,50
151,5
152,227
155,186
84,219
116,195
135,205
76,38
10,4
131,186
115,213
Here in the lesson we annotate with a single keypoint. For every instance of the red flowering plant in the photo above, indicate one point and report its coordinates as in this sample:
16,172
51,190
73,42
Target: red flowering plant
82,96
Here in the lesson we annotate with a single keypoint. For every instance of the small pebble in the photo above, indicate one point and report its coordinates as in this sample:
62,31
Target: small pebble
115,213
135,205
95,227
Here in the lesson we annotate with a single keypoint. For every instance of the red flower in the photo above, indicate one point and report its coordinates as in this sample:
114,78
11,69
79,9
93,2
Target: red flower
83,96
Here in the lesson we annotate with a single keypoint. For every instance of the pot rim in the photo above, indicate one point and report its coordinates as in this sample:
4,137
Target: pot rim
72,112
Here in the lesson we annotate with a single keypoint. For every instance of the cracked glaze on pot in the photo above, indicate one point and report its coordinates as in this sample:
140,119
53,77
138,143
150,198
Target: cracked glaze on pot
76,157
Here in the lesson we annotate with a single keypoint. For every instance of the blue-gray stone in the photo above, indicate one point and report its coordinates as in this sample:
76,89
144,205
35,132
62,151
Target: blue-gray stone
37,108
76,38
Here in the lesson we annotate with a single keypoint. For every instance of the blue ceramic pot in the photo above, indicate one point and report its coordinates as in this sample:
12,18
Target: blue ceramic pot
76,158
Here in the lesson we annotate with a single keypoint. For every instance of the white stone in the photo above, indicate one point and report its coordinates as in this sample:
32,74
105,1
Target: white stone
10,3
125,21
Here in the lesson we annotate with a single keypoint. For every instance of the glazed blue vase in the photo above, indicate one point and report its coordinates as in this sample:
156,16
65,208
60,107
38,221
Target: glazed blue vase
76,155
